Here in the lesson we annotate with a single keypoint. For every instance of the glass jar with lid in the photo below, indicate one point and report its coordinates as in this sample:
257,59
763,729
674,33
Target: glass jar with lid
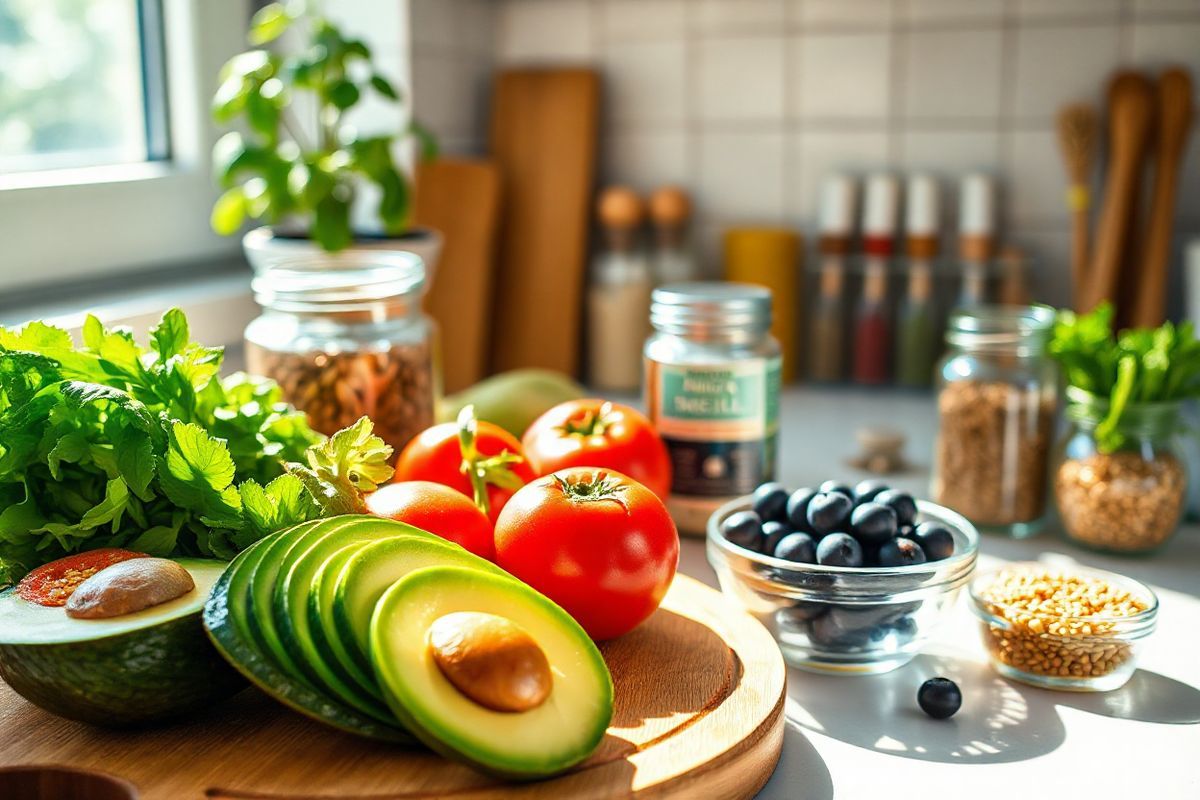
712,390
997,397
1120,481
344,336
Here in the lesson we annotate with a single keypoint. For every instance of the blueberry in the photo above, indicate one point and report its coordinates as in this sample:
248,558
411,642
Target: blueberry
868,490
900,502
828,512
825,631
772,534
900,552
769,501
797,508
743,528
832,487
839,550
798,547
803,611
939,697
936,540
873,523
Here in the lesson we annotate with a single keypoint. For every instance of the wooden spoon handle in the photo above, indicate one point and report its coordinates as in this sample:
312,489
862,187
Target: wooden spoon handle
1174,124
1131,102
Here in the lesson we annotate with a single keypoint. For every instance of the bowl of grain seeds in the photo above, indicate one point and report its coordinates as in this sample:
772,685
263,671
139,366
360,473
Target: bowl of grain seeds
1074,629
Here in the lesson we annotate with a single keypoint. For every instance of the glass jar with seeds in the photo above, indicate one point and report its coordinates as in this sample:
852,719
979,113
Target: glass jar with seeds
997,396
1120,484
344,336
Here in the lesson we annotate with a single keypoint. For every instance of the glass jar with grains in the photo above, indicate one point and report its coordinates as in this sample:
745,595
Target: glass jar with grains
344,336
1120,485
997,395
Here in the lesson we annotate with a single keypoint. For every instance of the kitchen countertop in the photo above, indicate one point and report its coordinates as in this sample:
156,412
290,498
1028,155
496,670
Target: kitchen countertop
862,737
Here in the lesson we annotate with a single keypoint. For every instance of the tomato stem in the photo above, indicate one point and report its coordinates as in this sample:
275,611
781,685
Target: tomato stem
481,470
597,487
593,423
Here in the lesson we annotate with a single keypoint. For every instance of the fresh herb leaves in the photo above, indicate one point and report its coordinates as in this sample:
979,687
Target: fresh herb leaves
1137,366
115,445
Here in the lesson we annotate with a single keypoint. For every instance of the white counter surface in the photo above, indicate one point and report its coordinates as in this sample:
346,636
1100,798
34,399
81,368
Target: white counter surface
864,737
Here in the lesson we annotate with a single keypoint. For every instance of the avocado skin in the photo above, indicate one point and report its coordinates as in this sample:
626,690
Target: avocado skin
513,399
166,670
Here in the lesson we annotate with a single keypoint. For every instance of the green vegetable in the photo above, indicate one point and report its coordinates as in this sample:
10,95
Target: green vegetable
1133,368
115,445
126,670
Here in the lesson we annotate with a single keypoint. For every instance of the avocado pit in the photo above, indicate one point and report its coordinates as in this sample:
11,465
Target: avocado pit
491,660
129,586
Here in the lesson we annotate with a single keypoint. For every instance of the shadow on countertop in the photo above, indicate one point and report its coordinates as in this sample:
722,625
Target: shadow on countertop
1000,721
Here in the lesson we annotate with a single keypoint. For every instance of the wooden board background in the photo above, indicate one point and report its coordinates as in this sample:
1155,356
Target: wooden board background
699,713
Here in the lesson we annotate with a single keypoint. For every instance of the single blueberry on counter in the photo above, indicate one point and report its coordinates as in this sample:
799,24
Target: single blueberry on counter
743,528
902,503
936,540
769,501
798,547
797,508
901,552
868,490
772,534
873,523
831,486
828,512
839,550
940,698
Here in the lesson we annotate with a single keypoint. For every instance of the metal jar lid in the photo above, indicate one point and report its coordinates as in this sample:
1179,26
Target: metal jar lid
710,308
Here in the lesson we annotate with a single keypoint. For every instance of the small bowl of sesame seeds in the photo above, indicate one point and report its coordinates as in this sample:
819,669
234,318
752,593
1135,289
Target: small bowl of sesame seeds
1075,629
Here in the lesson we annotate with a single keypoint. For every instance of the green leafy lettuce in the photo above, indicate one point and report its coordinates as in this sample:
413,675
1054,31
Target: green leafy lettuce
1131,368
116,445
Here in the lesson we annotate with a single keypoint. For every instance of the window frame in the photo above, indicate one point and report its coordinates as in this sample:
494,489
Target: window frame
57,226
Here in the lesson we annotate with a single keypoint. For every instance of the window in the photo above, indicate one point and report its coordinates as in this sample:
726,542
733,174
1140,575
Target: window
82,83
105,138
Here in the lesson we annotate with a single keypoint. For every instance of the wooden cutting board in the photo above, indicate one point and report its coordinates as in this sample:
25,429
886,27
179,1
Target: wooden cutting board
461,198
543,138
698,713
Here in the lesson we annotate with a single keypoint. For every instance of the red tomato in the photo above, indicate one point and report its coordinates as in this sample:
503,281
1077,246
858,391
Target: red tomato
438,509
53,584
597,433
596,542
493,454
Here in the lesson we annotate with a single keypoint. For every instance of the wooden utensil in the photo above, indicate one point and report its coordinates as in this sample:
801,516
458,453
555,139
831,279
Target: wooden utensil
1131,101
1077,133
1174,124
543,138
461,198
699,696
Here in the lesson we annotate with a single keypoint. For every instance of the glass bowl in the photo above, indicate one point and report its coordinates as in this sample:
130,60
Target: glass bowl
1096,653
845,620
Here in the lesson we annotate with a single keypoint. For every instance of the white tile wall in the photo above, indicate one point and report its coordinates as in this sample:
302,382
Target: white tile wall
749,103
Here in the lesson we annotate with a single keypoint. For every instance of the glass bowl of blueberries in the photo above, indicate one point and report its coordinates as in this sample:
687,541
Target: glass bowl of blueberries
847,579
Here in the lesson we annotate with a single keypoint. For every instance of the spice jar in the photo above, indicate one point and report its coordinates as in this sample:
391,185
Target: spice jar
1120,487
997,394
712,391
344,336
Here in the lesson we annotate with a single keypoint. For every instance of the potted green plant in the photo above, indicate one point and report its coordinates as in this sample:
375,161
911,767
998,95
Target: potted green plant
305,180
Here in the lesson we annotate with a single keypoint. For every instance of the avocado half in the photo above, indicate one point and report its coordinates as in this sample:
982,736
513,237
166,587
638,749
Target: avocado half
542,741
124,671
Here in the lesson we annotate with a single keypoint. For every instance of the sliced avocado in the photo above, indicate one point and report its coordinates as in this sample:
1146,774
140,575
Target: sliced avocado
563,730
290,602
124,670
227,617
263,578
368,574
320,620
